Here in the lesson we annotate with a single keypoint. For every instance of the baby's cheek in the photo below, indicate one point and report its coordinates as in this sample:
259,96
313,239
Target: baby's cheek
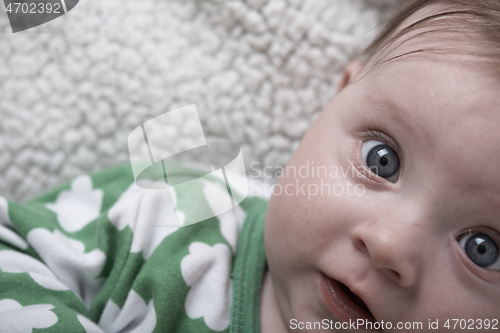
447,298
296,228
283,228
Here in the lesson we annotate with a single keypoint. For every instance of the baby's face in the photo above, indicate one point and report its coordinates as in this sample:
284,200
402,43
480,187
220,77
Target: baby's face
417,242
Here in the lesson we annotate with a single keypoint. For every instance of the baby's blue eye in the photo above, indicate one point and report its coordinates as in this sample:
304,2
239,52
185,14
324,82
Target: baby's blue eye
381,159
482,250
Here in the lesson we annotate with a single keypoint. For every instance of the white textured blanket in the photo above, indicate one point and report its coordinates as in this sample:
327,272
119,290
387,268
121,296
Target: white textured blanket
259,72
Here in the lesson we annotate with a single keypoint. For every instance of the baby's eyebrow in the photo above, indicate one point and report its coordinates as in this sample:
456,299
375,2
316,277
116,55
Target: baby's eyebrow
379,107
389,113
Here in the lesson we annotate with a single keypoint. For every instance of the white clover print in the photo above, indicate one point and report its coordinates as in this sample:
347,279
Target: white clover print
134,317
88,325
7,235
65,257
78,206
10,237
16,318
206,270
150,214
15,262
230,221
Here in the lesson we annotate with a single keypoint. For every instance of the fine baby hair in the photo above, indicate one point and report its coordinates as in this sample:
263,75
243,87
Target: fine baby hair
475,22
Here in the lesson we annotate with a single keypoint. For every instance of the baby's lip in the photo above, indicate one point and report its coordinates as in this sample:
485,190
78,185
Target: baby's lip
342,302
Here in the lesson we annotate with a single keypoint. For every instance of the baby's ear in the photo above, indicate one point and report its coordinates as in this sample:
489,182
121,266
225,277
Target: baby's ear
350,71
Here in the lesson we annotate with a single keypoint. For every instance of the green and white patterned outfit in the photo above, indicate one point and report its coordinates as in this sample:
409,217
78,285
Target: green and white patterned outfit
104,255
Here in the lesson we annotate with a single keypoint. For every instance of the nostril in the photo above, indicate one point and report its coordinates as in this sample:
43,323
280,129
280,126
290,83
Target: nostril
395,275
387,253
360,244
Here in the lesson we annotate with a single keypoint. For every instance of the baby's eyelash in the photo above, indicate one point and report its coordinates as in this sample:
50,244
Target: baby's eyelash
373,134
376,135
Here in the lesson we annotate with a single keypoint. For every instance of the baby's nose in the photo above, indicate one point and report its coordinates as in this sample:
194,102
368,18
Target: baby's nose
392,249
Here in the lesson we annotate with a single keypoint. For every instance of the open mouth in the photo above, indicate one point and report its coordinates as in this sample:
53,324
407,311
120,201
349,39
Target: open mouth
343,303
355,298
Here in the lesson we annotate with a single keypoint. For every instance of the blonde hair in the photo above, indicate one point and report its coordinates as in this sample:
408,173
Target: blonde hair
477,21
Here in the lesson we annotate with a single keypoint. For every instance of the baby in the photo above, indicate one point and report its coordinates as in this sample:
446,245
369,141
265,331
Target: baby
414,247
419,249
